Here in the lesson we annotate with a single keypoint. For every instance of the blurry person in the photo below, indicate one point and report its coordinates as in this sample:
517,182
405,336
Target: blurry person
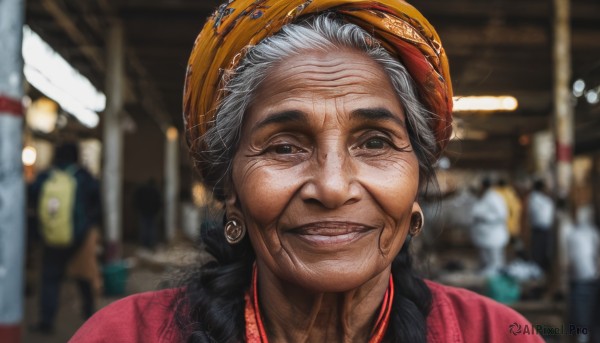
148,202
67,199
583,245
515,208
540,211
489,232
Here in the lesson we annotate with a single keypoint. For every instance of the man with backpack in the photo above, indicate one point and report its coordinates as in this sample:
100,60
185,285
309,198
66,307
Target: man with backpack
67,200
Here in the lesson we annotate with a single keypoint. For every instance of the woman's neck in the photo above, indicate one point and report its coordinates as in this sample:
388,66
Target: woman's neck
294,314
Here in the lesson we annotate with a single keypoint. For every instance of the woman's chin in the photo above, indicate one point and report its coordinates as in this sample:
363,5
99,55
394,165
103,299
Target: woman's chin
335,276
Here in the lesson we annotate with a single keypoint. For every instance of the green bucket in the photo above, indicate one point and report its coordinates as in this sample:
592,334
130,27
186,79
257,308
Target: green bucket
503,288
115,278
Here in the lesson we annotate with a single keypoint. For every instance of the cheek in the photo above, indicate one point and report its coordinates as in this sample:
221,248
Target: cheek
395,191
393,185
264,191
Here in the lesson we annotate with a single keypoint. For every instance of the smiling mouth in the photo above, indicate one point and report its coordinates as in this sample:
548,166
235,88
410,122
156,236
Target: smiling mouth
325,234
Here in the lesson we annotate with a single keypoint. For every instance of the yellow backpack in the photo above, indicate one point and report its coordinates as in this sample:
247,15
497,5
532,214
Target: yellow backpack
56,208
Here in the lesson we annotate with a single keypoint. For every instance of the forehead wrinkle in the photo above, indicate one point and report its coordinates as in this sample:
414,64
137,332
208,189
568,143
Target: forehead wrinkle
335,66
304,88
321,77
325,58
328,85
325,64
337,72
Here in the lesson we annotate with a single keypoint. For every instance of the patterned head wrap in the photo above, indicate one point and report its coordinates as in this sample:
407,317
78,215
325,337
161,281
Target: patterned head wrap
238,25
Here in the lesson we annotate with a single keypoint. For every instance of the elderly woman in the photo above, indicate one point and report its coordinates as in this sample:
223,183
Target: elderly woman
316,123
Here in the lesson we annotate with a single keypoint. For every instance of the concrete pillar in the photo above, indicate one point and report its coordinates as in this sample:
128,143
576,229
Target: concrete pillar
12,189
112,172
564,131
171,182
563,108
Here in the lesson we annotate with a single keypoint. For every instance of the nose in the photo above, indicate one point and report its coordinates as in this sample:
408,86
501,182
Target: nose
333,181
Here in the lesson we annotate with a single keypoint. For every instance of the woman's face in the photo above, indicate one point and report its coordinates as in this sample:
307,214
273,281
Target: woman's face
325,177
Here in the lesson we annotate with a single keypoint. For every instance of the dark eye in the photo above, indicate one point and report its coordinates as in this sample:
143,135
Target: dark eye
285,149
375,143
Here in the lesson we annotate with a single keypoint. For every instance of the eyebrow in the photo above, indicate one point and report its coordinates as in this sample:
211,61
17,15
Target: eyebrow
284,117
376,114
295,116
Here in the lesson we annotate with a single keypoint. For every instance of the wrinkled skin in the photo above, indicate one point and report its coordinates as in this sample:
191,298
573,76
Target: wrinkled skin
325,181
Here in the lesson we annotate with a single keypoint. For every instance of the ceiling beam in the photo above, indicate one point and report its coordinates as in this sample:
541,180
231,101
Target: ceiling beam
70,28
531,9
87,48
151,99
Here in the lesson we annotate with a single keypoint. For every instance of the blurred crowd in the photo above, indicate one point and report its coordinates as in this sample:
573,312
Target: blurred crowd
528,244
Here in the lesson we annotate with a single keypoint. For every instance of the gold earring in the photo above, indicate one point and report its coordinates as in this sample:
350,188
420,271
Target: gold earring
234,232
416,223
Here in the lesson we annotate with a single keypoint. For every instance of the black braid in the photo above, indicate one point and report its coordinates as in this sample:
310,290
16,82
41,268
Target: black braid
412,302
210,306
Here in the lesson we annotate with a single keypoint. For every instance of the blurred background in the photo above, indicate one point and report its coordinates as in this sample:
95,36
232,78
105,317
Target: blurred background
106,78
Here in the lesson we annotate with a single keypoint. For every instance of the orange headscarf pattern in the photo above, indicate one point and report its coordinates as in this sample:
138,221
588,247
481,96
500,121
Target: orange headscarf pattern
239,24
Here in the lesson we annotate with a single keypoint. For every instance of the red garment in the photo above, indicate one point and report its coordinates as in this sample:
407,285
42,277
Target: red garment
457,315
256,333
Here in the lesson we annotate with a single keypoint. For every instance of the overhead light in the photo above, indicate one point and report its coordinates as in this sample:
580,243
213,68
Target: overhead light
484,103
42,115
172,133
578,87
591,96
29,156
52,75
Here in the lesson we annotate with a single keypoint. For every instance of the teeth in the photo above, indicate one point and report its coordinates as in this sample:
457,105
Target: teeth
326,239
330,231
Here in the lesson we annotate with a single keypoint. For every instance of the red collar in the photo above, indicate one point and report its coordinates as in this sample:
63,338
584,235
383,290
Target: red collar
255,330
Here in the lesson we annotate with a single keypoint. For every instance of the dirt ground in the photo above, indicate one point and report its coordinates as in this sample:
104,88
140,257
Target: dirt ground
69,315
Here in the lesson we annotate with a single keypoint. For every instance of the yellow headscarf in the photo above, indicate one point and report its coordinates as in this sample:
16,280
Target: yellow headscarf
239,24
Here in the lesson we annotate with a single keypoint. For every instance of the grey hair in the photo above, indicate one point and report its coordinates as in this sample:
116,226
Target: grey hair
318,33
